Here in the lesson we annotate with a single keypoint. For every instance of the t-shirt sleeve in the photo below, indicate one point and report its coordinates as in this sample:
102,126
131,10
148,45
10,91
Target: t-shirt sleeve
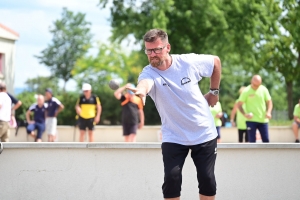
98,102
56,101
13,99
32,107
204,64
295,110
267,95
146,76
242,97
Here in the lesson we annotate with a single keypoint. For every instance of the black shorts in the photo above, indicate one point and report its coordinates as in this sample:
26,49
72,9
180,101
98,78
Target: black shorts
204,157
86,123
129,128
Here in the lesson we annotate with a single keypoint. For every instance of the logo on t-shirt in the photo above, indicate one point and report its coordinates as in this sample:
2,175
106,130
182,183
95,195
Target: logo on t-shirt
185,80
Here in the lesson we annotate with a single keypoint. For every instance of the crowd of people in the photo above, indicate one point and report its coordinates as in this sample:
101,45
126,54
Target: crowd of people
190,120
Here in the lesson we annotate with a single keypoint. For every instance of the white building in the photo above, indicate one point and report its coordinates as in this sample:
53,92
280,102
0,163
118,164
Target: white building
7,56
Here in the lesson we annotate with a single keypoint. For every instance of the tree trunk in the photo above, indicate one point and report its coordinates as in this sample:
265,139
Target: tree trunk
64,86
289,89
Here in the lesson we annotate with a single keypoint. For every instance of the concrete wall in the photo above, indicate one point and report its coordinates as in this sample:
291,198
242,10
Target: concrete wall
147,134
114,171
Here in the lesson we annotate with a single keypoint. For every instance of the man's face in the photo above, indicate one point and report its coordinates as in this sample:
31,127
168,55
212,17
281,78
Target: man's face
40,100
48,95
87,93
157,52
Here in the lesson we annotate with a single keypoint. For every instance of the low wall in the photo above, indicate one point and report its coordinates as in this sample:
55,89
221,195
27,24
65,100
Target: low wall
278,134
114,171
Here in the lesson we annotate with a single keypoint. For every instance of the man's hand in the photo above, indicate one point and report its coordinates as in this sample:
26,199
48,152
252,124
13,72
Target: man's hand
268,115
97,120
30,122
248,115
211,99
139,92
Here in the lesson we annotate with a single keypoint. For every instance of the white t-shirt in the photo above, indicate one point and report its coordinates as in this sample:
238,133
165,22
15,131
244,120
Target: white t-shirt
5,107
185,115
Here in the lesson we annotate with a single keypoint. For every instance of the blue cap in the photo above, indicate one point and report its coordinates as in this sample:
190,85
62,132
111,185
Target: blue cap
49,90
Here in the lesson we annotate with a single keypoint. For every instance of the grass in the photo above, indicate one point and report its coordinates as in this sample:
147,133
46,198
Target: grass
280,122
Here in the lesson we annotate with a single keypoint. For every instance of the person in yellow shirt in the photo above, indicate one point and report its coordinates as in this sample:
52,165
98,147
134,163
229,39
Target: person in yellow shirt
240,120
258,108
88,108
296,123
217,113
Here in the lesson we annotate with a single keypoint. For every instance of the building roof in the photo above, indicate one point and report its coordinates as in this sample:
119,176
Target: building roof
8,33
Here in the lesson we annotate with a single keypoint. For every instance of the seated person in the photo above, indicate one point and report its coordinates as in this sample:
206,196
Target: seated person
39,117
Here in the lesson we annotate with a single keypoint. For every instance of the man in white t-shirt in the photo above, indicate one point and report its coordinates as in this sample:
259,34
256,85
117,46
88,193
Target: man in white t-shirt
5,113
187,123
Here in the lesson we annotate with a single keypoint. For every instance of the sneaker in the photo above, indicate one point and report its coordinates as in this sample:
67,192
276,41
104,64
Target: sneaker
297,141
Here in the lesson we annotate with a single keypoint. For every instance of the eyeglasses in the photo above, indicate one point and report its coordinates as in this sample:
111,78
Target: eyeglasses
156,50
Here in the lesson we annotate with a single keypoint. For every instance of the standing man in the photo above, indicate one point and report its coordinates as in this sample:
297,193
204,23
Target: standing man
240,119
5,113
187,123
54,106
296,123
88,108
258,105
39,116
217,113
132,112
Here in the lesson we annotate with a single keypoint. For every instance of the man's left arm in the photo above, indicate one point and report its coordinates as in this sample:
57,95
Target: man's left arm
269,109
60,108
99,110
142,118
214,82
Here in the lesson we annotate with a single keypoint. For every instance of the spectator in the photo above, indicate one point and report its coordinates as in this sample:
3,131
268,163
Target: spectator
5,113
240,120
258,104
296,123
132,112
171,80
88,108
54,107
39,116
217,113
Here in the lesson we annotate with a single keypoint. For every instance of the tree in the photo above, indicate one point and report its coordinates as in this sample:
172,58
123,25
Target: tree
71,40
40,83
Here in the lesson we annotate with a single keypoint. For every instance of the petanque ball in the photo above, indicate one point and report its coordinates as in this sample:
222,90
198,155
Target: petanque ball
114,84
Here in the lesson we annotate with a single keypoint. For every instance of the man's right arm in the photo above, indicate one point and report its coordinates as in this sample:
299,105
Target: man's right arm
143,88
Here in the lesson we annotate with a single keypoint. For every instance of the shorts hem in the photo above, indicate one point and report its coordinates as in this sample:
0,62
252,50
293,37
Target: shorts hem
172,195
208,194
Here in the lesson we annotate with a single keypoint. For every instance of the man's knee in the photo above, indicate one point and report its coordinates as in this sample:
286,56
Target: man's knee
207,183
172,183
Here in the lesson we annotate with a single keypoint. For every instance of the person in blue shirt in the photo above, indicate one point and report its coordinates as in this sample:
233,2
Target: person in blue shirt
54,106
39,115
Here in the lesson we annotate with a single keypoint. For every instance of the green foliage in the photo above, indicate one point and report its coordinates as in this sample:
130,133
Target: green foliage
250,36
67,115
39,84
71,40
27,99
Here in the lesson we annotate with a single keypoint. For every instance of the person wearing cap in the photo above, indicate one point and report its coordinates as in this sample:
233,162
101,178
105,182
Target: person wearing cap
54,107
132,112
5,113
88,108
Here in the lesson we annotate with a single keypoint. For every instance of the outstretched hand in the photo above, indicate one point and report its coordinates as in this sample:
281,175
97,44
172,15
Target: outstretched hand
138,92
211,99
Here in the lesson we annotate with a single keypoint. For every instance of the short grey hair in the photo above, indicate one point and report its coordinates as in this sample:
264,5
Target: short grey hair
153,34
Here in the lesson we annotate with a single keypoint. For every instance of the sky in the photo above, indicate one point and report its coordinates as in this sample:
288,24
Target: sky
32,19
